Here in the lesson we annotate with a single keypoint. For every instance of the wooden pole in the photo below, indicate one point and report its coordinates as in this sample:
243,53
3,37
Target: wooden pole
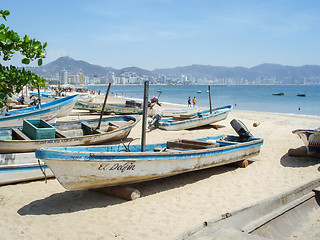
144,118
104,105
39,98
210,99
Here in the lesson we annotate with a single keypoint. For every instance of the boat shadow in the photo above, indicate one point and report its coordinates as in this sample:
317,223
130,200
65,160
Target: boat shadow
298,162
75,201
209,126
164,184
68,202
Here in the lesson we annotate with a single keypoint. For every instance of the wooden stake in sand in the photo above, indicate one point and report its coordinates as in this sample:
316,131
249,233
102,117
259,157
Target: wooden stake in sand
124,192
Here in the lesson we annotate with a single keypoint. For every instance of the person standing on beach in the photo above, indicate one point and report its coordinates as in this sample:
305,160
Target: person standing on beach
189,102
194,100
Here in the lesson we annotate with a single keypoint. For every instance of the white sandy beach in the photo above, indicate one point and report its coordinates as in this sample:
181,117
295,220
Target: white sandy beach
169,206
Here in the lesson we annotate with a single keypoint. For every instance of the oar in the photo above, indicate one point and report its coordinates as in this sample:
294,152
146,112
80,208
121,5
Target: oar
104,105
210,99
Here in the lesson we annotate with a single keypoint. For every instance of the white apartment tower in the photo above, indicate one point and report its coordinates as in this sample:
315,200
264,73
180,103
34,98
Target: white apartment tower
64,76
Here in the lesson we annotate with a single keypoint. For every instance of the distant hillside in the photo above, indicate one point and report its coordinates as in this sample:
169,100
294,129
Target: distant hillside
206,71
137,70
73,67
285,74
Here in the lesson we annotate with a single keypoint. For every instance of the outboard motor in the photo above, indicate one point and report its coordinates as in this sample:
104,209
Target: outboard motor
241,129
154,101
155,120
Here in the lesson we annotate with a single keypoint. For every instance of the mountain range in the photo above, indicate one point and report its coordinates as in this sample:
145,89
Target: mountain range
287,74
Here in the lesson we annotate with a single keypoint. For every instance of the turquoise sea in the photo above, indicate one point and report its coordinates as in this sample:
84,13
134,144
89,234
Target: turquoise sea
242,97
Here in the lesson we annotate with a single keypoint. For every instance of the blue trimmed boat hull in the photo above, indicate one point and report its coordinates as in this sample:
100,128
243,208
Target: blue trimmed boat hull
79,168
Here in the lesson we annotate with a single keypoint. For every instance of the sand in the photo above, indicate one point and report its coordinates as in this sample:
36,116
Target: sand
169,206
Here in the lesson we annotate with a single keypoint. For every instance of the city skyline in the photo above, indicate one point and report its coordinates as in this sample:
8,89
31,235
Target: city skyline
166,34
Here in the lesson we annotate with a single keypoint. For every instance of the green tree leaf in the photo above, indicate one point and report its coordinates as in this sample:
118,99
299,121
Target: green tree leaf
13,79
25,61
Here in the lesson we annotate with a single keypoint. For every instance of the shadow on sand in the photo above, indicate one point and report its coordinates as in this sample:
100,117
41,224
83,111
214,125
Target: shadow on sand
289,161
74,201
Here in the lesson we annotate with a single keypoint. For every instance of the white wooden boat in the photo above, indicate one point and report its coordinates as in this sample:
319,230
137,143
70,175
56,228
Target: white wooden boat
311,138
20,167
70,133
17,167
293,214
109,108
193,120
79,168
46,111
67,104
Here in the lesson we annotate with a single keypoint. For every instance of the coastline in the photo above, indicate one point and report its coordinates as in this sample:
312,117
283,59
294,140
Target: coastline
169,206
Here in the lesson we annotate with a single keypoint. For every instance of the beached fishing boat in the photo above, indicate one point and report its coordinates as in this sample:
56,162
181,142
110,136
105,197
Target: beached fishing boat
42,94
71,133
67,104
17,159
311,139
20,167
46,111
109,108
187,121
293,214
79,168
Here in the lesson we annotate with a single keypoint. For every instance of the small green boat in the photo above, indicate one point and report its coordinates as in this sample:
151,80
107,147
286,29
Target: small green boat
278,94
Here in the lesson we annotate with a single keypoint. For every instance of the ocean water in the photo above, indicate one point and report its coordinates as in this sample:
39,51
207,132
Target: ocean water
242,97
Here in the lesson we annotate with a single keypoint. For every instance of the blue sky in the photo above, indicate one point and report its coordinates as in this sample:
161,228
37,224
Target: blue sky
169,33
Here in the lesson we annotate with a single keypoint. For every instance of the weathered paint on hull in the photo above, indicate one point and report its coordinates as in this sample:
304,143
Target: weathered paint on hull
21,167
197,122
48,112
136,167
292,214
22,146
66,109
28,146
16,120
82,105
311,139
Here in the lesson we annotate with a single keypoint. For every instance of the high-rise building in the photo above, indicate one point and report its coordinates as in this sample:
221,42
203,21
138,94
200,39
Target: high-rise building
64,76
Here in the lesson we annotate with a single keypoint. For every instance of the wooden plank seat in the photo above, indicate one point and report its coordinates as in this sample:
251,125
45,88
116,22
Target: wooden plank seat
190,144
17,134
